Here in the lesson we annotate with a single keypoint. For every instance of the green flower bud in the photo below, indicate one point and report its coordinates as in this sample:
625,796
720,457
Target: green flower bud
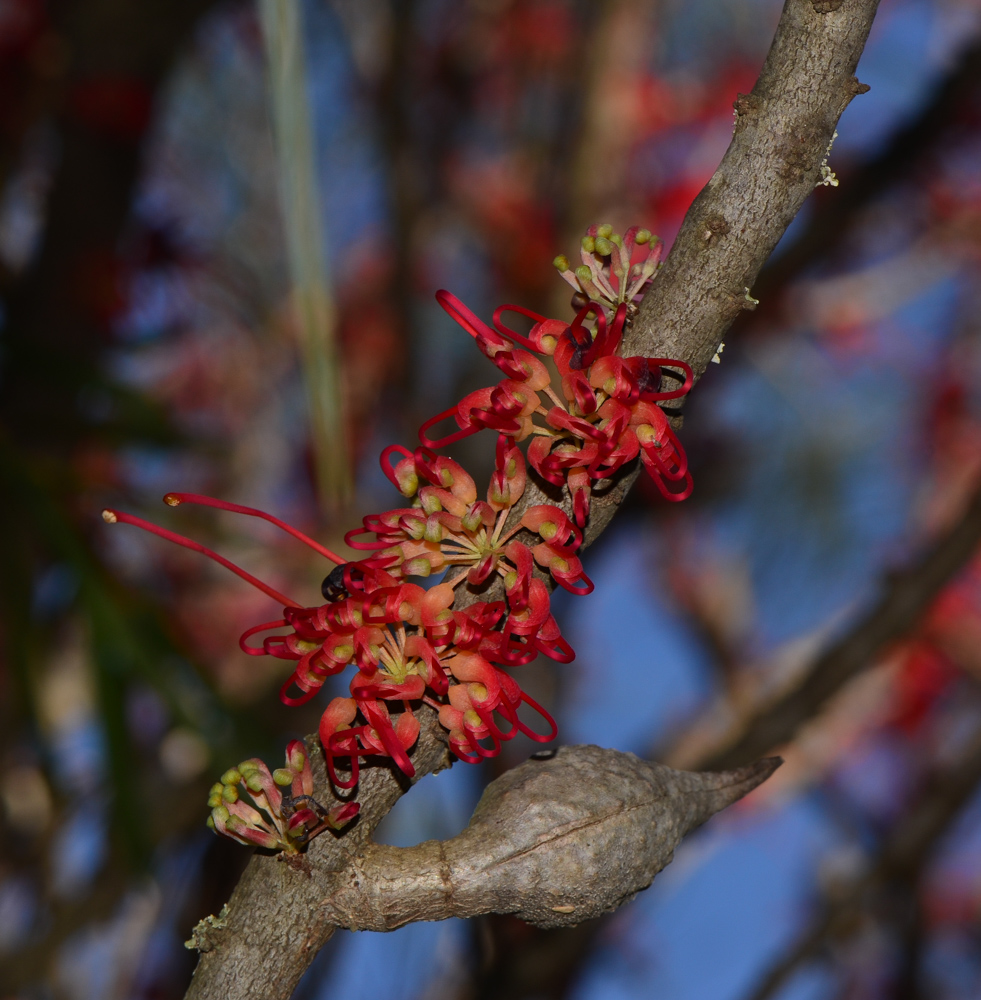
216,788
283,776
297,759
210,823
603,247
220,814
231,777
254,782
588,244
606,231
561,262
643,236
248,767
583,273
230,793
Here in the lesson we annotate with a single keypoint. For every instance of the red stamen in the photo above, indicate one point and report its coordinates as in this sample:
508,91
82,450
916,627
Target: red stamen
174,499
112,516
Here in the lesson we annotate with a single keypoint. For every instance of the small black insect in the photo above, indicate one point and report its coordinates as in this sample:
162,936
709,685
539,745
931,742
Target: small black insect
333,587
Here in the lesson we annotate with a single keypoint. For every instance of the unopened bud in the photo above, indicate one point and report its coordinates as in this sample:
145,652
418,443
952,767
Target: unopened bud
583,273
606,231
643,236
603,246
283,776
253,782
230,793
561,262
588,244
231,777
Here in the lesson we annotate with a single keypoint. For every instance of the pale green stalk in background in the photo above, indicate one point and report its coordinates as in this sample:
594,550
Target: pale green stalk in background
310,293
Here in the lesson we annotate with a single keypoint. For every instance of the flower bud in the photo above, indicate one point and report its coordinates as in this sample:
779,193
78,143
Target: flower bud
283,776
231,777
588,244
561,262
230,793
603,246
643,236
583,273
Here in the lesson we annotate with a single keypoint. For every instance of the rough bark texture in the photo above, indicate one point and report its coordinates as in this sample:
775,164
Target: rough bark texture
277,917
554,841
782,134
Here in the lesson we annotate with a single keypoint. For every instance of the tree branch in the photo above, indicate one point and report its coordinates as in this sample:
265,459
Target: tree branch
275,921
901,859
906,598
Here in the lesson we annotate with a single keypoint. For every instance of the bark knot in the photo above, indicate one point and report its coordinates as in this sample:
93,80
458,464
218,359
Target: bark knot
715,225
826,6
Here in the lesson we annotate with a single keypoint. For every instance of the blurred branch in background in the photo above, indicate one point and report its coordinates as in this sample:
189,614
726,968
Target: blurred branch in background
899,861
907,596
313,304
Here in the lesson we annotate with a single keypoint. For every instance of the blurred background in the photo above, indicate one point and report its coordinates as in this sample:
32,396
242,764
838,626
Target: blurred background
220,234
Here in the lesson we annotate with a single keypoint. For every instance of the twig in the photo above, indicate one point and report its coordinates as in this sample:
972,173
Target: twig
901,859
908,595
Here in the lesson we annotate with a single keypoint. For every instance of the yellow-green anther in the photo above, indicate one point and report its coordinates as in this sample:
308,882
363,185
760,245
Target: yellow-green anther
434,530
603,246
431,504
510,579
471,520
447,477
561,262
583,273
643,236
283,776
230,793
588,244
417,567
547,530
253,782
606,231
231,777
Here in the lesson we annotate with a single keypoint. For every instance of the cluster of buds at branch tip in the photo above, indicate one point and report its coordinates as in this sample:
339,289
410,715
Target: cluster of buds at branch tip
608,274
284,816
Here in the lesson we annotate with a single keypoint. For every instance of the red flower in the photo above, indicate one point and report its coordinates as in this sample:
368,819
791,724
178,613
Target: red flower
606,414
448,527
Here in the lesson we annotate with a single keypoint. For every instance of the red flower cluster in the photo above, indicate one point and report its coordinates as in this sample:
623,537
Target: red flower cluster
607,413
407,644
